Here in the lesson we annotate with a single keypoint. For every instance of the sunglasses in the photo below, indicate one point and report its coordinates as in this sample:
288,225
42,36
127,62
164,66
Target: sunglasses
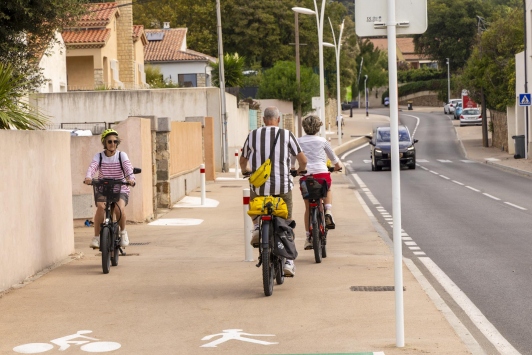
112,142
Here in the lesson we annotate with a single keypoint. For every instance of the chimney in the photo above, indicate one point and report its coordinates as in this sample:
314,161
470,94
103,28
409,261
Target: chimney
126,49
166,25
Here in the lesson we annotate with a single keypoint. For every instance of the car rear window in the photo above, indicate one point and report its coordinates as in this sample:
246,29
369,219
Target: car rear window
471,112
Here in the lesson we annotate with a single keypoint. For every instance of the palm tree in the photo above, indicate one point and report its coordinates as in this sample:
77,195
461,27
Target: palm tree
233,66
15,110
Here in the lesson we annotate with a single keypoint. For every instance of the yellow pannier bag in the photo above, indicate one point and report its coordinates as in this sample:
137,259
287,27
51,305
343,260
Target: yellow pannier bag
257,206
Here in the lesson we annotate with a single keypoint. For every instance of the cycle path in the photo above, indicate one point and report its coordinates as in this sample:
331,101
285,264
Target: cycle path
188,291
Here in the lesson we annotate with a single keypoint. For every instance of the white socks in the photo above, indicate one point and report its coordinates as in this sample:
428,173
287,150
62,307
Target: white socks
328,207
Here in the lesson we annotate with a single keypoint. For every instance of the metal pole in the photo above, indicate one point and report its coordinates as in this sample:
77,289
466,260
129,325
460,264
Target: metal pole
358,82
248,229
319,20
298,75
526,82
396,176
448,82
366,95
202,173
236,164
482,97
221,79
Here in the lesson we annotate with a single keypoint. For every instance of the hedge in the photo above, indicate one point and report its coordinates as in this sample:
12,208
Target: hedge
439,86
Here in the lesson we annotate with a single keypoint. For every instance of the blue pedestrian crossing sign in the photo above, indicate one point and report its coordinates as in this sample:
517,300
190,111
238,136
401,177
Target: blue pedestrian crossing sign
524,99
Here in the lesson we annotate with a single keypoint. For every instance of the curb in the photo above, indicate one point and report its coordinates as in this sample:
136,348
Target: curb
354,143
510,169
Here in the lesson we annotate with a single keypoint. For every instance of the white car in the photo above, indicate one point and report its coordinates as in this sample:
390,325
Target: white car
470,116
449,108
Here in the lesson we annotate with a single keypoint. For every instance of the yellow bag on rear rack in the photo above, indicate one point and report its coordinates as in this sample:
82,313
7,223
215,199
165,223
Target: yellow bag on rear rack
257,206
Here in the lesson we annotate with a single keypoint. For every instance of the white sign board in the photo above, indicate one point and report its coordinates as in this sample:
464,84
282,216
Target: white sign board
316,103
411,16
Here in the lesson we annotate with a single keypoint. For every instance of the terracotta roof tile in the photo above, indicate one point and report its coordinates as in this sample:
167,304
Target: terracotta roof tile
208,57
137,30
98,14
381,43
86,36
406,45
170,48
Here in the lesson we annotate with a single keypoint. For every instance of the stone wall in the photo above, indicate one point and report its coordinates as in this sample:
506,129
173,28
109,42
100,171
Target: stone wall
500,129
422,98
126,47
288,123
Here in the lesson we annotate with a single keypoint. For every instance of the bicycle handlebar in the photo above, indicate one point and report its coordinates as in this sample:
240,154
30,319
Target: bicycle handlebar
331,169
294,173
114,182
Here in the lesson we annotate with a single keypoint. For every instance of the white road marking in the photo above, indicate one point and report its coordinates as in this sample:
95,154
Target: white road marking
424,168
414,248
516,206
404,234
367,161
349,161
176,222
406,238
493,197
458,182
422,161
388,219
410,243
88,344
419,253
434,172
468,161
390,222
445,177
360,182
476,316
472,188
353,150
417,124
365,189
444,161
191,201
234,334
492,159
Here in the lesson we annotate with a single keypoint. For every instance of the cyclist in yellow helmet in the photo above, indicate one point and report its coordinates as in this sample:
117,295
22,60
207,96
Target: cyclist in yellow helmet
111,164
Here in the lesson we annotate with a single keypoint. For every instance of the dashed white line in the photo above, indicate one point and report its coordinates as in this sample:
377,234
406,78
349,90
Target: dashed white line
472,188
406,238
490,196
414,248
354,150
458,182
445,177
410,243
419,253
432,171
516,206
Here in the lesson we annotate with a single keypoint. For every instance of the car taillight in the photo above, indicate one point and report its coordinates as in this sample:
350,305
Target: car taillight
451,105
462,116
480,116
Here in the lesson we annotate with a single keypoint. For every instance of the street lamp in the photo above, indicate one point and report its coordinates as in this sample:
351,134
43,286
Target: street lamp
221,80
366,95
319,21
337,46
448,82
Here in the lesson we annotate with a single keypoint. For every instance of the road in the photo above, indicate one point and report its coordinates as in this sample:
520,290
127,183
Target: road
469,219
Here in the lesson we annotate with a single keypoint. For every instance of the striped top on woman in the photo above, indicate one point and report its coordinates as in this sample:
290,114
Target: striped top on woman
111,168
257,149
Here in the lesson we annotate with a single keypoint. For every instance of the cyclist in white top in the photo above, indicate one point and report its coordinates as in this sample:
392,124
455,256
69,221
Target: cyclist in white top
318,151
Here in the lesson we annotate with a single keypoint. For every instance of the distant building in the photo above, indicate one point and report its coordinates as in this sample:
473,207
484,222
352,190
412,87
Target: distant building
406,53
167,49
105,50
53,64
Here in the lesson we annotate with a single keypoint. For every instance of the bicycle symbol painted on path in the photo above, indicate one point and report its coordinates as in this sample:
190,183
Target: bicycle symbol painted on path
91,345
235,334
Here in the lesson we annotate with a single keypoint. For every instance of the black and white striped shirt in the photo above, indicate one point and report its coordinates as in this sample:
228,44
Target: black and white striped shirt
257,149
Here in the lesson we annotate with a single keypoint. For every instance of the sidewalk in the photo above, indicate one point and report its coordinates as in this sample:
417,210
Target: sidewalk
357,126
190,281
471,138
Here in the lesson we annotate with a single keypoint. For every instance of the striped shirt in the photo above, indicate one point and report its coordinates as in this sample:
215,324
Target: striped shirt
111,168
318,151
257,149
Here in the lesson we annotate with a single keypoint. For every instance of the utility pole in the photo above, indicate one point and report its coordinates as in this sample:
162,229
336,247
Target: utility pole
526,81
448,81
298,75
358,81
221,79
482,97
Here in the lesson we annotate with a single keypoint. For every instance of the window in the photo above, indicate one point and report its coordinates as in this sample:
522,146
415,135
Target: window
188,80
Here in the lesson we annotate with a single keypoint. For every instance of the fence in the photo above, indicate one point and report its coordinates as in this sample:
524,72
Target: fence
252,119
96,128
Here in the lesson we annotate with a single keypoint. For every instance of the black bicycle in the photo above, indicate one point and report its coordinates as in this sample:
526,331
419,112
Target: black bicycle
109,189
316,190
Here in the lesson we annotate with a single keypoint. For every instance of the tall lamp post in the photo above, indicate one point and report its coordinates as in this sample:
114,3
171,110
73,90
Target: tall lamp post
319,21
366,95
299,10
221,80
337,46
448,81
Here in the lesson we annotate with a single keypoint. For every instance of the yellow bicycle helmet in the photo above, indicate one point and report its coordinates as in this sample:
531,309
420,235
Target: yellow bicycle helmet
108,132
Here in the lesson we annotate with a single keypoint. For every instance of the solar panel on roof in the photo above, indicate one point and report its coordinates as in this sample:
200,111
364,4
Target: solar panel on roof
157,36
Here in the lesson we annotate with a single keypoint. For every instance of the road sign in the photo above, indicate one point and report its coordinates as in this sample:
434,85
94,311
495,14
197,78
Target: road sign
411,16
524,99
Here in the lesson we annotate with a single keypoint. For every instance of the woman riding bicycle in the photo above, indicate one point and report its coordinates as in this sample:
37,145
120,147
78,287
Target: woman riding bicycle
111,164
318,151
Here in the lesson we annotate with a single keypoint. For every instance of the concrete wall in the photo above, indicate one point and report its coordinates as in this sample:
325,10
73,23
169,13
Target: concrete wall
183,184
186,147
135,134
422,98
238,126
53,64
36,227
510,122
283,106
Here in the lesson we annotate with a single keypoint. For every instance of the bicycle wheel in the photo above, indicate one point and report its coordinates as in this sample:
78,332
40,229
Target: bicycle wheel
316,237
114,248
105,247
324,237
279,274
267,264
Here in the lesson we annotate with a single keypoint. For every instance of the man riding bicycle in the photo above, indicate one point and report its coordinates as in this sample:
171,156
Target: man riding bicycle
111,164
255,150
317,150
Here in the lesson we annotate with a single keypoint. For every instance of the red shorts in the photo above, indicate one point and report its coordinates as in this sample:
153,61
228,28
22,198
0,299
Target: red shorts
325,176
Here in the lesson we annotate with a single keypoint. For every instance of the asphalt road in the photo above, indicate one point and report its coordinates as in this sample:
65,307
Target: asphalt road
474,221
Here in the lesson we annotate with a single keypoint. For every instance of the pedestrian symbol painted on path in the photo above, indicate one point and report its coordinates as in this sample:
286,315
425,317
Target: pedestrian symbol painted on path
235,334
524,99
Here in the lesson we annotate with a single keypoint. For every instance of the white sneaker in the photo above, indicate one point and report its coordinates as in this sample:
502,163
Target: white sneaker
308,244
95,243
124,240
255,238
289,268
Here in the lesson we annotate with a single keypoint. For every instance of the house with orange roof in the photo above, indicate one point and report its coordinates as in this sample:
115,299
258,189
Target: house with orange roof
406,52
52,61
105,50
167,49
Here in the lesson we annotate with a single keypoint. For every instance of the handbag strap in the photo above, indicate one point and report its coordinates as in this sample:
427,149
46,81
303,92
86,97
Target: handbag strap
274,143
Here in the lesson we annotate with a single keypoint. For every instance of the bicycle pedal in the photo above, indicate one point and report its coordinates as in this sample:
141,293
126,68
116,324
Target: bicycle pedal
288,275
256,246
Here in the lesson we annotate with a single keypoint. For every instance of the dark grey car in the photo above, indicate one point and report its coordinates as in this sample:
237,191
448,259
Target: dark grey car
381,148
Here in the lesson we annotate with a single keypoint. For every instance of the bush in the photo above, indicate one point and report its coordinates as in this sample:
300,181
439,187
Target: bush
420,75
154,78
439,86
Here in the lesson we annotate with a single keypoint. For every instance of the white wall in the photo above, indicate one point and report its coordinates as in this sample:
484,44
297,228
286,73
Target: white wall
53,63
283,106
171,70
237,126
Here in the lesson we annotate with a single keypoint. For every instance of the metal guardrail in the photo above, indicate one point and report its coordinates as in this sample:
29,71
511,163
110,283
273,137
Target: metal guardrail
95,127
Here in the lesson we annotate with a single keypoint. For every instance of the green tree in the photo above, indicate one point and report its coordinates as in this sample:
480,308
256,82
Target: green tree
495,72
15,111
27,28
280,82
375,66
233,67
